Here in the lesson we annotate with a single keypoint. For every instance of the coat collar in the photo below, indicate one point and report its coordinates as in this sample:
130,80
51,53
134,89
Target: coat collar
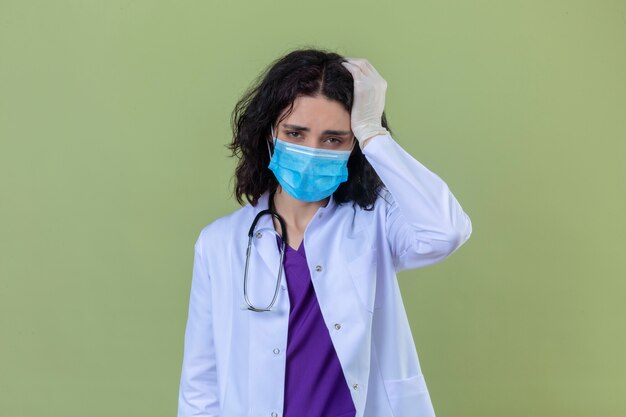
264,238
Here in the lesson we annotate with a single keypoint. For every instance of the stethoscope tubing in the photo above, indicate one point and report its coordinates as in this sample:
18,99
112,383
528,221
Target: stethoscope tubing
280,267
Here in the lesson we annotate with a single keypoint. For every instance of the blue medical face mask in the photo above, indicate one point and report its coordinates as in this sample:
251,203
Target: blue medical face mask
308,174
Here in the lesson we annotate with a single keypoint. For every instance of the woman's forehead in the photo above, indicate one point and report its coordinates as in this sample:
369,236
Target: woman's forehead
318,114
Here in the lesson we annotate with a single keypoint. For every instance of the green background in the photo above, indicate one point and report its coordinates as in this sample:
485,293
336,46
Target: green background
114,116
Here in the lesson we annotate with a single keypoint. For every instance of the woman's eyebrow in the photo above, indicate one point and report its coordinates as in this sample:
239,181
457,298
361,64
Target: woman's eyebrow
326,132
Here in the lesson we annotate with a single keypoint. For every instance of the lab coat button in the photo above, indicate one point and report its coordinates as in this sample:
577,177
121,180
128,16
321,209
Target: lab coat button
276,351
355,386
274,414
337,326
283,287
259,235
318,268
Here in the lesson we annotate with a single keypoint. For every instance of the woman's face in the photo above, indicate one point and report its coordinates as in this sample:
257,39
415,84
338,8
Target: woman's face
317,122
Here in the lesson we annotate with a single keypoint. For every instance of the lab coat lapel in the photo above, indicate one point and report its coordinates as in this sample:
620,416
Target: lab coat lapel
349,323
268,331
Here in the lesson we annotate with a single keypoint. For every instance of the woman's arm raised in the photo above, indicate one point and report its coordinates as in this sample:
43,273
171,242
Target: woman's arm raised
425,222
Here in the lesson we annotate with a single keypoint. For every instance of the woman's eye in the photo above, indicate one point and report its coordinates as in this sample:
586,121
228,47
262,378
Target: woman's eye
332,140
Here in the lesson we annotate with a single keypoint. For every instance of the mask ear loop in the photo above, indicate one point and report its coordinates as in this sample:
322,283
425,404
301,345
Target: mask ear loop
269,151
354,144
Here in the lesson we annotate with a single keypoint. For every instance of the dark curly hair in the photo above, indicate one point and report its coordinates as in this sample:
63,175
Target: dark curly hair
302,72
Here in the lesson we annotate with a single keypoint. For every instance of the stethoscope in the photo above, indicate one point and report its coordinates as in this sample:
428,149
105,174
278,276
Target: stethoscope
283,239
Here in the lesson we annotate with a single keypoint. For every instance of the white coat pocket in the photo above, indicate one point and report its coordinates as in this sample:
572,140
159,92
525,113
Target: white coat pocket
363,273
409,397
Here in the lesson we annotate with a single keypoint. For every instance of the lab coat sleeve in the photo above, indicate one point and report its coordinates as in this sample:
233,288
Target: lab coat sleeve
199,392
424,221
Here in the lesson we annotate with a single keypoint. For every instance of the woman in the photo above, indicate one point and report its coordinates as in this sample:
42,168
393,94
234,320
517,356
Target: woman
322,329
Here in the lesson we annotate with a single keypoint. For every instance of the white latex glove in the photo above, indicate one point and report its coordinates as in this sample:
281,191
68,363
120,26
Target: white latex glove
369,100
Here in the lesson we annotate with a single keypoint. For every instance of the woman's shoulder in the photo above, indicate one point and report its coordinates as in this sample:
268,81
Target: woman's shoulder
383,200
221,228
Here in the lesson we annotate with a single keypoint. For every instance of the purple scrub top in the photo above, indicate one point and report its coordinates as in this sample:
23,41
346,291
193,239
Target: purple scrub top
314,382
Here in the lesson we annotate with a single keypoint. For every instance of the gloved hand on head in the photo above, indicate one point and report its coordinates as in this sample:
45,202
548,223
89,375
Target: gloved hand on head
369,100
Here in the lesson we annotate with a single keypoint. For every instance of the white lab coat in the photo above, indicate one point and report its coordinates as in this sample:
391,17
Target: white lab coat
234,358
